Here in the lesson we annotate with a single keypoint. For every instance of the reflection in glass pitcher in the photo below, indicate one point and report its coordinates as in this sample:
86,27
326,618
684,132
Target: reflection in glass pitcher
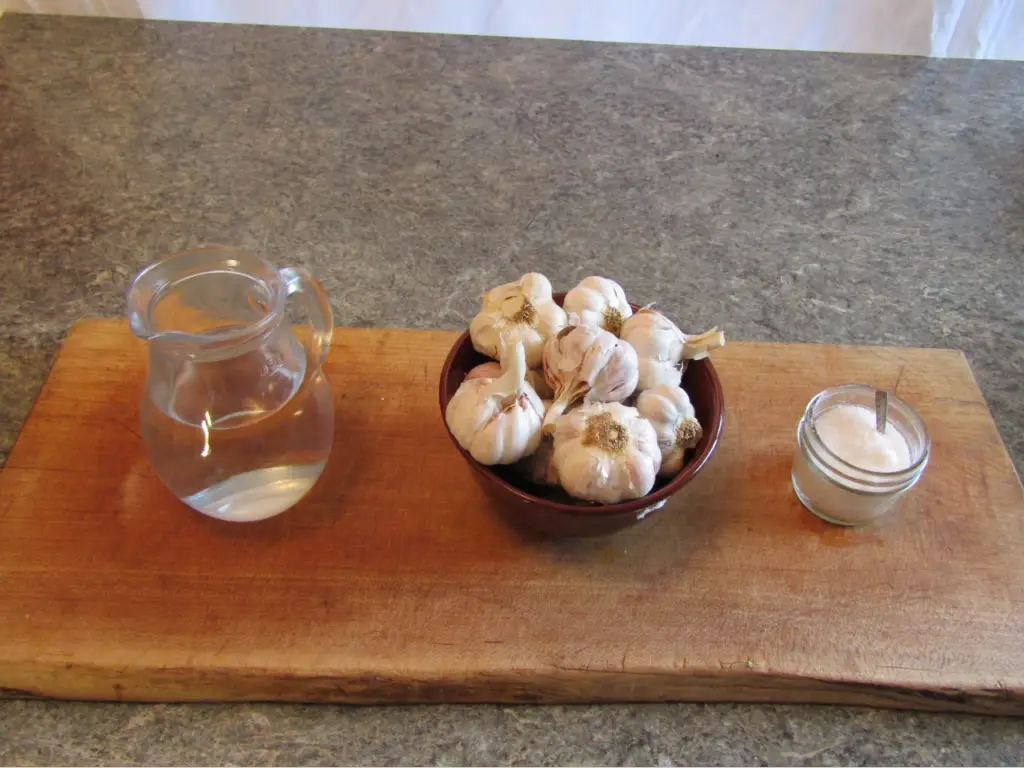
237,414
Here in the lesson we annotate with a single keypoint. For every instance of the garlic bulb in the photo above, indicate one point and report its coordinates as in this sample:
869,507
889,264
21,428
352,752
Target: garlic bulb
606,452
669,410
520,311
600,302
586,362
662,349
490,370
539,466
497,420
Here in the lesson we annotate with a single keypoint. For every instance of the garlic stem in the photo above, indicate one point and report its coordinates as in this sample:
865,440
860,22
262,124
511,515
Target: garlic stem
514,374
697,347
563,400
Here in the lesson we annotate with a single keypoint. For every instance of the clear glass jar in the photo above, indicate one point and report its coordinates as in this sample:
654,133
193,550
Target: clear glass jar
843,493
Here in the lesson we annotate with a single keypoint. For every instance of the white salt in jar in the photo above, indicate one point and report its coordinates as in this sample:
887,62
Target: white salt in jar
845,471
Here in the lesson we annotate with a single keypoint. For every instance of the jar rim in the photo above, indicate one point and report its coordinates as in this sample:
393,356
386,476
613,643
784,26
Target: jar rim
838,463
151,285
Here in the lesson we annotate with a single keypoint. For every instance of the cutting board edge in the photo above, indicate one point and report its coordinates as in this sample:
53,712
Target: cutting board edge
70,681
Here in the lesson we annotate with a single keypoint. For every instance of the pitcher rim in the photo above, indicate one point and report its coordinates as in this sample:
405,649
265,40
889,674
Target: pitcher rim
241,334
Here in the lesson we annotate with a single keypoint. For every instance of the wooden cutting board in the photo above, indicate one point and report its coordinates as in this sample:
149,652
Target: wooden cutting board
394,581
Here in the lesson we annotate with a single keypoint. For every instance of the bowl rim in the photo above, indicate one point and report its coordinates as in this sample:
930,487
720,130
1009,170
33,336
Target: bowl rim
712,431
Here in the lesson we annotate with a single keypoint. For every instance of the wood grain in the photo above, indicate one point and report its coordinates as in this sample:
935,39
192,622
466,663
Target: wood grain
394,580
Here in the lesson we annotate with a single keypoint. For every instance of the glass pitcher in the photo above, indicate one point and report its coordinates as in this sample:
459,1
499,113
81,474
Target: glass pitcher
237,414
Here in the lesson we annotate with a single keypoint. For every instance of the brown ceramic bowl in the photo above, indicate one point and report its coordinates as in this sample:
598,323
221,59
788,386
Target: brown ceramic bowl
551,510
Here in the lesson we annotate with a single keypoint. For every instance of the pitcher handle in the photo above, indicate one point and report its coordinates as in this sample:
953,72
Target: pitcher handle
298,280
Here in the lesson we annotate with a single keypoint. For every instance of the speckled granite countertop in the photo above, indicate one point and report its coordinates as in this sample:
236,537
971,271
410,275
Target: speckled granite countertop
785,196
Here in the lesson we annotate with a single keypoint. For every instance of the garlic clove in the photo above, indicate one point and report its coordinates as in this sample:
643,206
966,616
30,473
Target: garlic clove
599,302
663,349
490,331
587,363
652,334
522,311
532,285
498,421
670,412
539,467
653,373
606,453
535,378
618,378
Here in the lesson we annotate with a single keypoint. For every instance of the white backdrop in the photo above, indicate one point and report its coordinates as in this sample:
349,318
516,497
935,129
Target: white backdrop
961,28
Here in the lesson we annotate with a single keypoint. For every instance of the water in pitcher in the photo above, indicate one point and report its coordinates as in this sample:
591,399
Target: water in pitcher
237,415
252,462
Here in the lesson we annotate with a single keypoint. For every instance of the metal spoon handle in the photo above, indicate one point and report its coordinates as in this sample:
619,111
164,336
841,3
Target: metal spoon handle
881,410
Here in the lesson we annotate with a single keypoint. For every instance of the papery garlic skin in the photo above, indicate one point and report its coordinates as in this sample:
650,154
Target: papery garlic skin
488,370
587,363
662,349
535,378
539,466
498,421
599,302
521,311
669,410
606,453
